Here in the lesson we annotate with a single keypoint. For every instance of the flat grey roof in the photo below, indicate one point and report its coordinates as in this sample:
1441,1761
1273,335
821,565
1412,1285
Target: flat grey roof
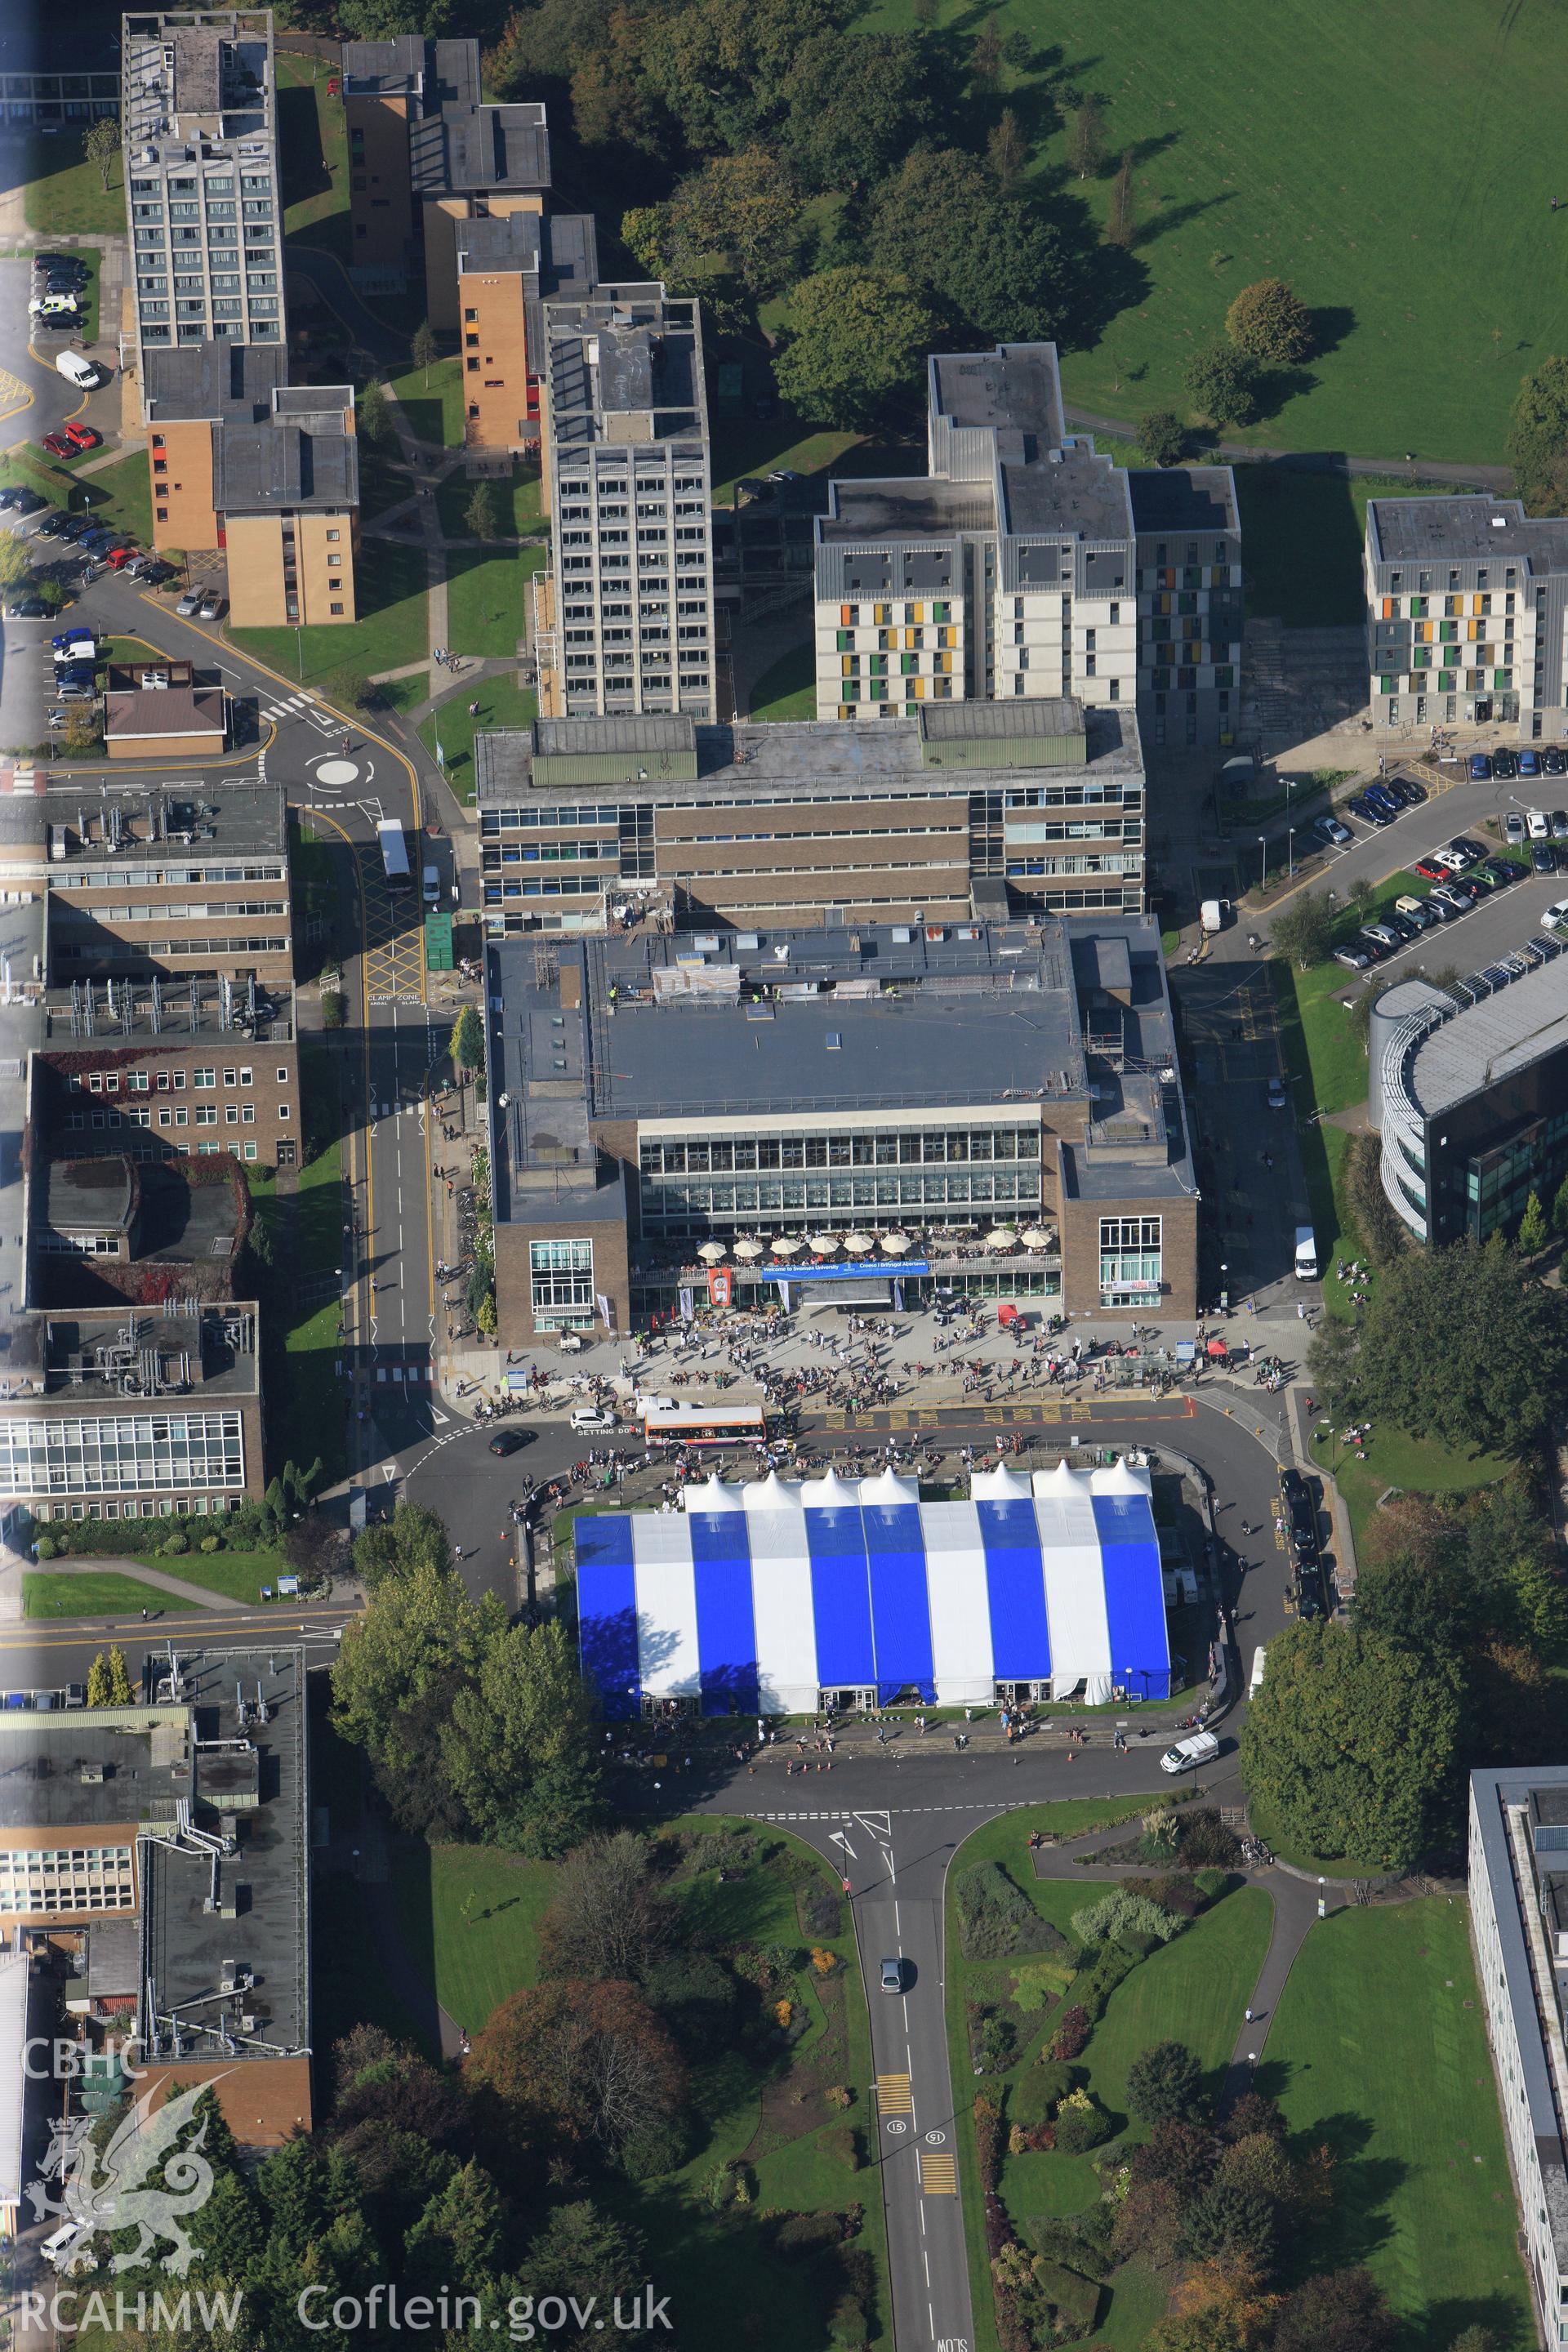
76,1193
468,146
170,1340
1018,386
1068,490
222,819
393,69
818,758
625,351
580,737
43,1757
284,465
156,1005
1464,531
917,505
1490,1041
1184,497
213,379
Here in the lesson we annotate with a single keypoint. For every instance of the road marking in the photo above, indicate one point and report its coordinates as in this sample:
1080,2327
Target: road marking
939,2174
895,2095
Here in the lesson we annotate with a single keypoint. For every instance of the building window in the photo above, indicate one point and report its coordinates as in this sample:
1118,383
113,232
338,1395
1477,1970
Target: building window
1129,1260
562,1284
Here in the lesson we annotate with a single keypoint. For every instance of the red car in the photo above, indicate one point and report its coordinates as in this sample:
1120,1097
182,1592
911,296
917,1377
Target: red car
57,446
118,557
81,437
1430,871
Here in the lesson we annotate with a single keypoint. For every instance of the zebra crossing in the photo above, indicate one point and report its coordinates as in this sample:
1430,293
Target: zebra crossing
299,706
939,2174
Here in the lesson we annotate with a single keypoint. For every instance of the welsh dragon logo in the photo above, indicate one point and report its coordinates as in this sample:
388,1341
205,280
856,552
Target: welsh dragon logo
145,2180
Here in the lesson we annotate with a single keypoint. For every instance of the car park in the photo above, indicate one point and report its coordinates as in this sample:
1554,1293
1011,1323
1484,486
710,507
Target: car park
211,608
1355,956
1537,824
1505,764
190,605
1553,761
1530,764
1512,825
1500,873
1481,767
1543,857
26,608
1329,829
1466,846
1413,911
1431,869
1367,809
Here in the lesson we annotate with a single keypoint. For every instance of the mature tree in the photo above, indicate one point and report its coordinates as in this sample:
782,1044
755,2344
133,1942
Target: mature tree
1231,2224
582,2252
1270,325
996,266
458,2239
521,1754
1381,1233
1217,2307
1426,1604
120,1691
314,1549
1466,1345
1533,1228
422,350
1253,2113
1007,151
1179,2152
1161,437
101,145
1333,1362
721,70
1149,2222
1223,384
98,1682
1474,2339
414,1537
1362,895
745,206
380,2081
479,513
985,57
607,1916
420,1634
1338,2311
1085,138
857,339
1121,222
1560,1211
373,412
580,2062
1537,441
1302,930
1351,1743
1165,2083
857,103
467,1041
1260,2164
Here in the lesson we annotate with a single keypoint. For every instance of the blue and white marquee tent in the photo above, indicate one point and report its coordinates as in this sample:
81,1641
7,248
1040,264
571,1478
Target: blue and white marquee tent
759,1598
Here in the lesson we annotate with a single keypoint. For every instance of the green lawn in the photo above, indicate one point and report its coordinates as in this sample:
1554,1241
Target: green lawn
122,494
1196,1990
744,448
102,1593
1379,2048
313,141
432,402
65,193
487,597
392,627
473,1961
787,690
516,504
1303,537
1424,333
1414,1465
502,704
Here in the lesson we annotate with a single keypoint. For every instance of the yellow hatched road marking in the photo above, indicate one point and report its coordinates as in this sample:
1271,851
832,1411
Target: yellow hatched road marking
939,2175
894,2094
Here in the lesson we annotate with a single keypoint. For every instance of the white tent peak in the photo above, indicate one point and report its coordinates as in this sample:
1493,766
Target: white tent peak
772,1494
1123,1477
999,1485
888,1487
829,1493
713,1494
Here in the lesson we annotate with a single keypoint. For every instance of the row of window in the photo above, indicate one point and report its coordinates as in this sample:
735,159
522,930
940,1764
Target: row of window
137,1082
1118,861
166,910
896,1147
119,1456
234,1115
808,1195
165,877
89,951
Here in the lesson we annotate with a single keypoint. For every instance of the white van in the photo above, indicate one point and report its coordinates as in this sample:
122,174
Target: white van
1188,1754
1211,914
78,369
591,1416
1306,1254
1256,1684
59,2243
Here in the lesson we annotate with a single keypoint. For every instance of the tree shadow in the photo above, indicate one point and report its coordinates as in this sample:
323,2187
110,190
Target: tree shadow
1441,2322
1276,387
1174,217
1331,325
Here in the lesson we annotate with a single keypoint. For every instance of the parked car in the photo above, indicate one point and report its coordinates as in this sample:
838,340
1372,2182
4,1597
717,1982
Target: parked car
1402,928
1537,824
1413,912
78,636
1431,870
190,605
26,502
1279,1098
1555,918
1465,846
1559,818
1500,873
1300,1510
1354,959
80,436
212,607
1382,796
1414,793
1543,857
1530,764
1481,767
1329,829
1362,804
1377,948
1512,825
1505,764
1554,762
26,608
53,526
57,444
119,557
78,369
1439,910
58,261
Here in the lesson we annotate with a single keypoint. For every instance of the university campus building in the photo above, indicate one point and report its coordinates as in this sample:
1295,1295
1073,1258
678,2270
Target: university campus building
1022,564
1467,617
932,1092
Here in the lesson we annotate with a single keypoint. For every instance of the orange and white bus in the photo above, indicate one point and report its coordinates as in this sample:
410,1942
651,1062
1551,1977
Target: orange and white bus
696,1425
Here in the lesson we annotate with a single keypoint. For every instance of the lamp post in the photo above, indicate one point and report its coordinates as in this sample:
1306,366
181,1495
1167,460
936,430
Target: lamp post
1263,845
1290,853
